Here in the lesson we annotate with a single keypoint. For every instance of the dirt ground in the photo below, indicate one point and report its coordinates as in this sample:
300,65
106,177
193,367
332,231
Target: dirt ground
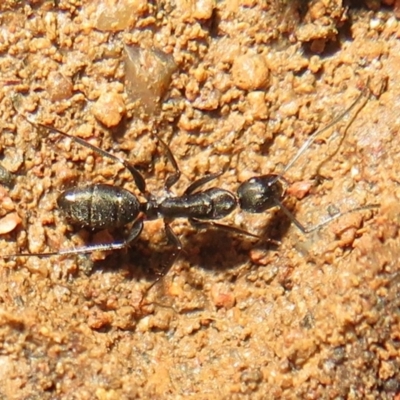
233,86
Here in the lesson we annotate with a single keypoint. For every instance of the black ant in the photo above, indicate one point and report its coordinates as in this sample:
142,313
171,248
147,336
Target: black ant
102,206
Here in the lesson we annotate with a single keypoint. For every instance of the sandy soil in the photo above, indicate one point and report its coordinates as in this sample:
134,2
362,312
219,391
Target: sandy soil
234,86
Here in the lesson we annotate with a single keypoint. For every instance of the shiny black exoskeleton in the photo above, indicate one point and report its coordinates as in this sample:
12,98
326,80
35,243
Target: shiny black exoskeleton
105,206
260,193
99,206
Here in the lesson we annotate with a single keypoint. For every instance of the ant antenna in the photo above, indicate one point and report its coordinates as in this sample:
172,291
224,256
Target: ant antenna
261,193
313,137
313,228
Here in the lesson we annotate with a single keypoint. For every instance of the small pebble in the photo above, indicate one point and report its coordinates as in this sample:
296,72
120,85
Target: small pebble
9,223
58,86
109,109
250,72
222,296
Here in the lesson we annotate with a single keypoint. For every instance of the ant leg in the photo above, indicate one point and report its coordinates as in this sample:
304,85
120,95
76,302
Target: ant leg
171,180
177,244
135,232
137,176
198,224
228,228
327,221
200,182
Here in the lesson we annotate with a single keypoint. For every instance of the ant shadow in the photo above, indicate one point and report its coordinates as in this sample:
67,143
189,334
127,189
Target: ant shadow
214,250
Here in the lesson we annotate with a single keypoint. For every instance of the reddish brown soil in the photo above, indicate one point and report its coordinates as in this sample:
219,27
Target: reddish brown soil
229,85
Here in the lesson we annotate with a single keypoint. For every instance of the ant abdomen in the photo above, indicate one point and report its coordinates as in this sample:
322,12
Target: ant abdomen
99,206
260,193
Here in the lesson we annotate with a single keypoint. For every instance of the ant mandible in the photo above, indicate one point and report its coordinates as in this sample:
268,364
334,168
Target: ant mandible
102,206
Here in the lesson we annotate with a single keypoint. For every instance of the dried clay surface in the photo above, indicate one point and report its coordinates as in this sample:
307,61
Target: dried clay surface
234,87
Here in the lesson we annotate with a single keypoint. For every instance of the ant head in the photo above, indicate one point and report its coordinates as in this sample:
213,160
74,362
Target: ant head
260,193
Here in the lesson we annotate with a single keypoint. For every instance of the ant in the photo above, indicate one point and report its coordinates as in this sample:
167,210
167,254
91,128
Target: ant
102,206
